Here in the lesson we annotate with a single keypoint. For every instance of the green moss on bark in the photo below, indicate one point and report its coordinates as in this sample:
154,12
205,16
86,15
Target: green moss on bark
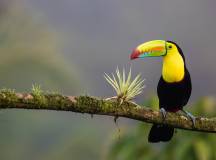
58,101
8,98
93,105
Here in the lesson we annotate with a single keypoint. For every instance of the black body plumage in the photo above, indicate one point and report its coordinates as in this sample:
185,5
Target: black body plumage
172,97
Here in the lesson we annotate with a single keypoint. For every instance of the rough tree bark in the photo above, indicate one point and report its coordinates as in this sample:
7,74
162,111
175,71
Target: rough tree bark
94,105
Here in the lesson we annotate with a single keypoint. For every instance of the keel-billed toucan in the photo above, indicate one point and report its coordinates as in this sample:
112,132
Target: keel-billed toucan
174,87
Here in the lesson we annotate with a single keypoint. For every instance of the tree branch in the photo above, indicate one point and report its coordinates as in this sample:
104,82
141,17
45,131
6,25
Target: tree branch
93,105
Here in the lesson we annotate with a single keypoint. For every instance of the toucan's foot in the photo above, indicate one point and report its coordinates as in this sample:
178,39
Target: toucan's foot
163,112
189,115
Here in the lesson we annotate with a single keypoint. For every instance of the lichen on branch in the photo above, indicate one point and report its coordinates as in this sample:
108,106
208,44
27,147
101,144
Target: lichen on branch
93,105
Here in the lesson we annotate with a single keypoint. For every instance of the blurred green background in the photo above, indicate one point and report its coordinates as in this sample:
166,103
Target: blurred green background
66,46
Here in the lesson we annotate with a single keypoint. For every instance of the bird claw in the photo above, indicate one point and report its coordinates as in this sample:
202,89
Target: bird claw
163,112
189,115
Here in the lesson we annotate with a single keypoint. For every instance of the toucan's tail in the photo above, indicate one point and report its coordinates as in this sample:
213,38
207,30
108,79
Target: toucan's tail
160,132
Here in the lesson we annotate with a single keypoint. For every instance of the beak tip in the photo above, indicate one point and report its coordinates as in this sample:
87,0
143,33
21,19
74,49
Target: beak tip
135,54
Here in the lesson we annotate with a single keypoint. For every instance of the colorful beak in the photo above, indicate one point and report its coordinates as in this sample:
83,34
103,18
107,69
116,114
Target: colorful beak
153,48
135,54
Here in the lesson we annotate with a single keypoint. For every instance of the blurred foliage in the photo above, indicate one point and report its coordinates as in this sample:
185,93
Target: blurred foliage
187,145
31,52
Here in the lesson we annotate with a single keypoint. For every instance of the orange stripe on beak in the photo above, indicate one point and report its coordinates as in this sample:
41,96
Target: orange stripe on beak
158,48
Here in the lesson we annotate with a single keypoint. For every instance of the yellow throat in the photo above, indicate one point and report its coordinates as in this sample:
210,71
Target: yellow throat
173,67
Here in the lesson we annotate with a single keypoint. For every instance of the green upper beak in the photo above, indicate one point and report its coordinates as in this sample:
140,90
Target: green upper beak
153,48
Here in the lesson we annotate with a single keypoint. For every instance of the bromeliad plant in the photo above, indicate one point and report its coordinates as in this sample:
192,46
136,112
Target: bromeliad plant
125,87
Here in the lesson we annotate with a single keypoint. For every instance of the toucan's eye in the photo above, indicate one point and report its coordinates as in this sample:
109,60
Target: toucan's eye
170,47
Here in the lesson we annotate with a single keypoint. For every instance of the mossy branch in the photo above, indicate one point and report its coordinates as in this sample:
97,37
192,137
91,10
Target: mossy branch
93,105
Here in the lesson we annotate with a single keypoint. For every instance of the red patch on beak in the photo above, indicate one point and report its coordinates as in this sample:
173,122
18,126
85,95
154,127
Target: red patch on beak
135,54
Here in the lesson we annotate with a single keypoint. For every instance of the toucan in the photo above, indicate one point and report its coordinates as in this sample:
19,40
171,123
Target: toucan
174,87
